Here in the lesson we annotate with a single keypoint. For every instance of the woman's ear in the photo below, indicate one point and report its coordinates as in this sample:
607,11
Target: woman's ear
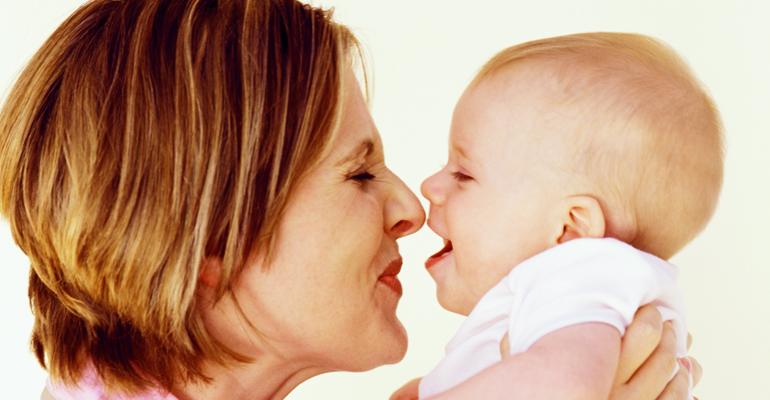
582,218
211,268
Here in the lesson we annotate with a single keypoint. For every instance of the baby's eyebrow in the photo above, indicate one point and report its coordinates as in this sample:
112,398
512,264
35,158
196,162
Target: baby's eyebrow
366,147
460,150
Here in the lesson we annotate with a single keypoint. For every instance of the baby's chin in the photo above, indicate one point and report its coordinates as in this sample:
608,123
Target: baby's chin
452,302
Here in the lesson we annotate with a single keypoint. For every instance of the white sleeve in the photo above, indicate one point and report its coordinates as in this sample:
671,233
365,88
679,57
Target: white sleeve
583,280
604,281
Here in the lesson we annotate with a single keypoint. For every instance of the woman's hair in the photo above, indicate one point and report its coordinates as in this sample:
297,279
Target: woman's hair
645,135
143,137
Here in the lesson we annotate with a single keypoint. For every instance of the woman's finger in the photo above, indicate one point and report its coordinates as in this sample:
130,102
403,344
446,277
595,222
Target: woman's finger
639,342
678,387
505,347
697,371
652,378
410,391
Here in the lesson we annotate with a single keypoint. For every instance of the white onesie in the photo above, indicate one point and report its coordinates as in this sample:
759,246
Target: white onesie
583,280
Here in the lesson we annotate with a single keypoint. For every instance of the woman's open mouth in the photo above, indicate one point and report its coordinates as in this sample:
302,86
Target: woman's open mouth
440,255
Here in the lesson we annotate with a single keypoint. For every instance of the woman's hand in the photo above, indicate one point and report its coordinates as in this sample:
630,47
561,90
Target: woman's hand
647,357
410,391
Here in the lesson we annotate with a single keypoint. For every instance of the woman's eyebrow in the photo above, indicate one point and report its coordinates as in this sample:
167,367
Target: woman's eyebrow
366,147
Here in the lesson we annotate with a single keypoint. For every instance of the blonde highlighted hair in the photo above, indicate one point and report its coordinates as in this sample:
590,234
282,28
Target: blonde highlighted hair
642,133
144,136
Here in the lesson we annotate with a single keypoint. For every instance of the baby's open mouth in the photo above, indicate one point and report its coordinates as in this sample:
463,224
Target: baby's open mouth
438,256
447,248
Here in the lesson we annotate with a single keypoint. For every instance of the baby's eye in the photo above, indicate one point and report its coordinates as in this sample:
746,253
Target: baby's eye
461,177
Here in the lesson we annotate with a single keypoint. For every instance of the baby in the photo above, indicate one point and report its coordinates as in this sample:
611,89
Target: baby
577,165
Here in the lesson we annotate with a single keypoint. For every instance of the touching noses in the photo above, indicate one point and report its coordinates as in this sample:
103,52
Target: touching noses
431,189
403,212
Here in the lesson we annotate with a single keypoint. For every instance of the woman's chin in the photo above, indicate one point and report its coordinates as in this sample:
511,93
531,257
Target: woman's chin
392,332
401,344
395,348
389,350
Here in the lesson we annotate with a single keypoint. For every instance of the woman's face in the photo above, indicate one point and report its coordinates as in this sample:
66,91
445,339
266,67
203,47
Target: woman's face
329,296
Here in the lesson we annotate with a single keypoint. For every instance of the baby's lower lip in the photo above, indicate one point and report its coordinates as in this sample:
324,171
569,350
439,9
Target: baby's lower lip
392,282
439,256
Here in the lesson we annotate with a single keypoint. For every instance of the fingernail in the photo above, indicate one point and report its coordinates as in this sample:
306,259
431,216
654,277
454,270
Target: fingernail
686,363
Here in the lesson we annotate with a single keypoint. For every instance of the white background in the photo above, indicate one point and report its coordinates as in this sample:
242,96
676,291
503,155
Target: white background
424,53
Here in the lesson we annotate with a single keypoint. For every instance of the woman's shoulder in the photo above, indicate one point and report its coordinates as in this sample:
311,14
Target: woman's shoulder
46,395
90,388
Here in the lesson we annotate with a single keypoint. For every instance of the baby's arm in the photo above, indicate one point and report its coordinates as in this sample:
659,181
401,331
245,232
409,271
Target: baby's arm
648,350
576,362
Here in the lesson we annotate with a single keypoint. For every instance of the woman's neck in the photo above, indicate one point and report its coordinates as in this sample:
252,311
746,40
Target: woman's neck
259,380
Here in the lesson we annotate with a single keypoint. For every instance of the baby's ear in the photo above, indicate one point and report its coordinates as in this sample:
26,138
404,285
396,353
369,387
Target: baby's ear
582,218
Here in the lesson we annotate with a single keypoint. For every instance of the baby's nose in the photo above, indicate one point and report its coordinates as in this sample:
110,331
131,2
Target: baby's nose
432,190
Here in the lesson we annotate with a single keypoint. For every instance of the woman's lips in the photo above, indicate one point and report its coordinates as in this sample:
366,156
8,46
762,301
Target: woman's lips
390,278
438,256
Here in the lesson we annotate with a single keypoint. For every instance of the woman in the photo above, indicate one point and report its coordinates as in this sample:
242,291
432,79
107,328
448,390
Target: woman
204,201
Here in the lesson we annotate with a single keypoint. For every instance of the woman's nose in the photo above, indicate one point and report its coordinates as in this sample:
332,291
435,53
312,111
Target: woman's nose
431,189
404,214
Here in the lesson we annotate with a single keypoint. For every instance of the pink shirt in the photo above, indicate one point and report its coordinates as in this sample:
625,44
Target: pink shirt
90,388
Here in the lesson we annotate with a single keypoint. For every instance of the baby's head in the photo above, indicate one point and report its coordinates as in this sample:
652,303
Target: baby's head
588,135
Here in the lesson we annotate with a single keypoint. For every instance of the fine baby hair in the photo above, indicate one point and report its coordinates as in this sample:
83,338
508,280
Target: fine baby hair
643,135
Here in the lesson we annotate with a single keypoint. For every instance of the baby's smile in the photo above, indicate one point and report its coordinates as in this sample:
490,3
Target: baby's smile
438,256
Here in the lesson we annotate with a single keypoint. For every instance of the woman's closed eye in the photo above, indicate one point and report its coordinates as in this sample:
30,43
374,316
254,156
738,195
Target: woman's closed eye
360,175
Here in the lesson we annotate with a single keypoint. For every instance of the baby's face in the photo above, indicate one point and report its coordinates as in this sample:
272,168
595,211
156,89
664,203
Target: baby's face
493,203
